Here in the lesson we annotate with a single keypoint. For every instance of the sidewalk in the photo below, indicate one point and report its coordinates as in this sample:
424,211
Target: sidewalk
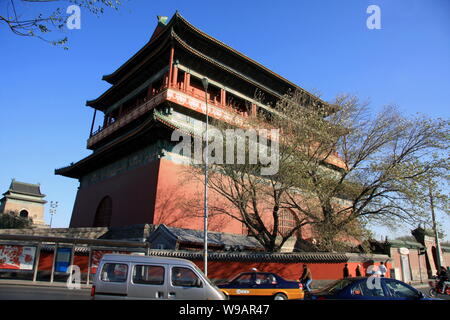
420,285
40,284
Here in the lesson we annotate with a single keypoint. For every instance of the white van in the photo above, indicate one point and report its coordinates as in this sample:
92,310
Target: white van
121,276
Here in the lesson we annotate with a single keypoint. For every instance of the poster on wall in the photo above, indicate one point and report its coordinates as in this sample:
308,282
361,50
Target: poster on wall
97,255
17,257
63,259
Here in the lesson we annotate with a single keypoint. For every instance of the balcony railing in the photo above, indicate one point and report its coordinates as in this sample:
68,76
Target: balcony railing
126,118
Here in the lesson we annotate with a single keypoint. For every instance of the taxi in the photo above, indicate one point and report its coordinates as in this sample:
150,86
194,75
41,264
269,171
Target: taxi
262,285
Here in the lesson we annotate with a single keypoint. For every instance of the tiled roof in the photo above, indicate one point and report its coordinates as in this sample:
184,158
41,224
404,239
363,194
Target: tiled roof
138,232
252,256
214,238
85,233
25,188
299,257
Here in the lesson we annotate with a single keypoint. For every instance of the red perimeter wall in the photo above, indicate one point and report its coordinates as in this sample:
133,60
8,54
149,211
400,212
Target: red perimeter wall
221,270
289,271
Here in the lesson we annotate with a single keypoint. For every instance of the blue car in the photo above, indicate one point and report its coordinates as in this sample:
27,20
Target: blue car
370,288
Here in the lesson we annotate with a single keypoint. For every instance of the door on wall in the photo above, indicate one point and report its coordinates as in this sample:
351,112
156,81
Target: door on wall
406,271
104,213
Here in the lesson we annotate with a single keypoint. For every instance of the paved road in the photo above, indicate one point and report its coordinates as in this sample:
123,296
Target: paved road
18,292
21,292
425,291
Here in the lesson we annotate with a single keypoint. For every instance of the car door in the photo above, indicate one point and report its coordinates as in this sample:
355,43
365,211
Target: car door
112,282
185,284
148,281
242,285
367,289
398,290
264,284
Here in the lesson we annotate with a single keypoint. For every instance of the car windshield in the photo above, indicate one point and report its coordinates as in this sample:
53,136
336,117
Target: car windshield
337,286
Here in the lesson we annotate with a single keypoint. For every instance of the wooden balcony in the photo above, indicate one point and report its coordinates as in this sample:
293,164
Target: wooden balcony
191,98
125,119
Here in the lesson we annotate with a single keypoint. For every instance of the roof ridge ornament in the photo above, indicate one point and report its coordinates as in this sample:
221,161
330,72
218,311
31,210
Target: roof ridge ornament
162,20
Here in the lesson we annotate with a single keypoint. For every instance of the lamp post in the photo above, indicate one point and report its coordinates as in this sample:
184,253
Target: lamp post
53,207
205,205
436,234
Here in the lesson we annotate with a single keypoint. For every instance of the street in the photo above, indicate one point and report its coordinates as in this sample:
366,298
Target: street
27,292
21,292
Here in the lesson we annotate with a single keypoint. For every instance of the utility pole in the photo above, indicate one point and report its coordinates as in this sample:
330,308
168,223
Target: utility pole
205,224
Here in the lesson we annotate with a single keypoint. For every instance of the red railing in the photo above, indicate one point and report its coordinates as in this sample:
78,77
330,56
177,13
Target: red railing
155,98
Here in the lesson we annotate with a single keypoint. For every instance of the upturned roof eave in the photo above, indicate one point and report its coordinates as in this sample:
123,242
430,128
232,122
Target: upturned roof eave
156,118
178,17
96,103
110,77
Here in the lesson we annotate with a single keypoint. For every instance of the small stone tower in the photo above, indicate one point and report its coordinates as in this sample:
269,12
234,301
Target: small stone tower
25,200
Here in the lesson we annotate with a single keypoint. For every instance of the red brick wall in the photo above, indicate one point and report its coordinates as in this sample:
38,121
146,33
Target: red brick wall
220,270
416,270
179,201
289,271
133,198
446,259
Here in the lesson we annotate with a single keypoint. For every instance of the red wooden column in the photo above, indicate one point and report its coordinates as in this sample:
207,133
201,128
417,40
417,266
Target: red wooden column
253,110
187,82
166,80
174,76
223,97
172,51
184,81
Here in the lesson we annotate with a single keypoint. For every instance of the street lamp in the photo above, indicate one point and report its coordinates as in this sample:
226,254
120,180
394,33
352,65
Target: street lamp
436,234
53,207
205,206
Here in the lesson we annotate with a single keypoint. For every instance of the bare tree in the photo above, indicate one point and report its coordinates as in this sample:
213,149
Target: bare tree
383,155
340,168
37,18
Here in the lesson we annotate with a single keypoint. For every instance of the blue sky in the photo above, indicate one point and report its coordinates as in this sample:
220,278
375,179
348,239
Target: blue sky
322,46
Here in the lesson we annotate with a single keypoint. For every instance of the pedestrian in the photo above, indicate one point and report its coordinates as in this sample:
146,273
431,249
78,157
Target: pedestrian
376,272
443,279
306,278
370,271
382,270
346,273
358,271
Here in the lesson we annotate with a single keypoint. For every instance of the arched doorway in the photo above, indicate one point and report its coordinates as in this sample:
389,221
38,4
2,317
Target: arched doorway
435,259
23,213
103,213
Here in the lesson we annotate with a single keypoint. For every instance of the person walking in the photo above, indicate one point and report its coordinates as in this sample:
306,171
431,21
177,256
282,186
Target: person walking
358,271
443,279
306,278
346,273
383,270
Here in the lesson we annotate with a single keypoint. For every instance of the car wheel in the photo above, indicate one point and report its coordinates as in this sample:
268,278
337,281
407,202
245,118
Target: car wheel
280,296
